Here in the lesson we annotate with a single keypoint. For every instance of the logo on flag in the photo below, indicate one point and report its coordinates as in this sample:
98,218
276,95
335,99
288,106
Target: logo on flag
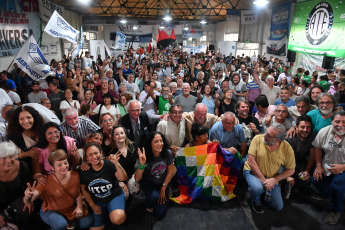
30,59
58,27
36,54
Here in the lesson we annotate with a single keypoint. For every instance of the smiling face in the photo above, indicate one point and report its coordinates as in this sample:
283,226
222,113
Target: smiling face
52,135
98,139
157,144
314,93
325,105
61,167
302,107
338,124
7,163
93,155
119,135
303,129
26,120
243,110
72,120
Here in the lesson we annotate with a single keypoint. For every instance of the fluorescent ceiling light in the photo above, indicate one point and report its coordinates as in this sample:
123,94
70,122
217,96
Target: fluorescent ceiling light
135,27
203,21
161,26
186,27
260,2
167,16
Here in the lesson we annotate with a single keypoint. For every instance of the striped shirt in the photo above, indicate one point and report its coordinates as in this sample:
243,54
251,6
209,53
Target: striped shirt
85,126
254,91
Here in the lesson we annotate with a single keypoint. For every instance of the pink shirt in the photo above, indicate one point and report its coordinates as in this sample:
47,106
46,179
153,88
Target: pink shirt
270,110
44,154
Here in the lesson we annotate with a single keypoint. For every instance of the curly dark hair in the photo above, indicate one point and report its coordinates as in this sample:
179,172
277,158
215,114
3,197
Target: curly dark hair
14,128
43,143
148,146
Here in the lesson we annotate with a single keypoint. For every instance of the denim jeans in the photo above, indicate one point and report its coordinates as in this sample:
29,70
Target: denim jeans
56,221
152,195
332,186
256,189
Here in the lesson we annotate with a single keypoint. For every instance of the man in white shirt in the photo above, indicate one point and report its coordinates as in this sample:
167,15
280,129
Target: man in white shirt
132,88
146,100
13,95
86,61
285,74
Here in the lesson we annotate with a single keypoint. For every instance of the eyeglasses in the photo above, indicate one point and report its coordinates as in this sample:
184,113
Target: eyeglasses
268,136
54,133
10,157
325,103
281,111
47,103
109,120
176,112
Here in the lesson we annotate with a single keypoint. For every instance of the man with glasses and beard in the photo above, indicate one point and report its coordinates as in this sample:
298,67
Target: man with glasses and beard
321,117
263,170
173,128
329,176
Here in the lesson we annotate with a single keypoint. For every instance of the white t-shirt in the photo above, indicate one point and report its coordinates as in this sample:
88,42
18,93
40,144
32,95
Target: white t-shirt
132,89
64,104
113,110
86,62
14,97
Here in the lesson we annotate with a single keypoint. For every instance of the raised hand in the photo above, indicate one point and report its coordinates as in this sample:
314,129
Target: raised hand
142,156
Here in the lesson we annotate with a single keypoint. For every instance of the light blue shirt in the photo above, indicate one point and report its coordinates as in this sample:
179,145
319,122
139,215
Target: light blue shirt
225,138
289,103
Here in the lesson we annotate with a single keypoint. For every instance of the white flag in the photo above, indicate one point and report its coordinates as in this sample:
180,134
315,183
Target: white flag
58,27
107,50
77,49
30,59
120,41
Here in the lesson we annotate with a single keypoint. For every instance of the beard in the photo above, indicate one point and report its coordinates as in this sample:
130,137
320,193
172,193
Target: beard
269,143
325,111
339,132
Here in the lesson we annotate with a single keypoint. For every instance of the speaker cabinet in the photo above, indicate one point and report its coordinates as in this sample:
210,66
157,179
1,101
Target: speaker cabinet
291,56
328,62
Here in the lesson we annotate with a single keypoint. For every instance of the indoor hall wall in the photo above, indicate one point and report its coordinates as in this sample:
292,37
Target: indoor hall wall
72,18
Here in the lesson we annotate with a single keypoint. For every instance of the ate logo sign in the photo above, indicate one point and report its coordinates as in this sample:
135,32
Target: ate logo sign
319,23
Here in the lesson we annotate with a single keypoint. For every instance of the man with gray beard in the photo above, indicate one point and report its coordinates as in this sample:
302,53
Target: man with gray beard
321,117
329,176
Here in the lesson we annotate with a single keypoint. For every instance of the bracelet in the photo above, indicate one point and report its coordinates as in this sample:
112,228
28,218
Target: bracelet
141,167
164,185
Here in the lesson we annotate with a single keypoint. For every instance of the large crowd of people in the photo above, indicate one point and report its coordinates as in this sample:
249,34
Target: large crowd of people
76,147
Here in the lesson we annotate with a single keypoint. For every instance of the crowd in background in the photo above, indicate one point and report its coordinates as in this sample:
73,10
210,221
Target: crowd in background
98,129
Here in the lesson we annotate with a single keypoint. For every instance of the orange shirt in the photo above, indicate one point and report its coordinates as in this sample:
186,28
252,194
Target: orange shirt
53,195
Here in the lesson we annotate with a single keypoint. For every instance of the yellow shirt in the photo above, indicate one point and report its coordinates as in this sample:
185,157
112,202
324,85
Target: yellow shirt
269,161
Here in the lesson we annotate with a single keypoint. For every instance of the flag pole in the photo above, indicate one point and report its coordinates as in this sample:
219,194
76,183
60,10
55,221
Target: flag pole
39,39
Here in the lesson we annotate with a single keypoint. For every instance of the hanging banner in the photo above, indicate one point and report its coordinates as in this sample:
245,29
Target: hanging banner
58,27
249,17
194,50
47,9
30,59
280,20
17,22
192,34
318,27
314,62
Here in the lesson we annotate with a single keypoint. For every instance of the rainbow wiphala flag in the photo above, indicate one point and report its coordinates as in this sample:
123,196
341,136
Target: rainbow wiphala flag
206,172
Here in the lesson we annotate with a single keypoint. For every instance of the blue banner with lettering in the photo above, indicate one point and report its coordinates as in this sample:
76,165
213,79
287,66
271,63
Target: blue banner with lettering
280,21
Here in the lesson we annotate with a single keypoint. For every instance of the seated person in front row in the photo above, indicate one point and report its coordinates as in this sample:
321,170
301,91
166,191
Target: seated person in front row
199,135
267,153
230,136
329,176
304,153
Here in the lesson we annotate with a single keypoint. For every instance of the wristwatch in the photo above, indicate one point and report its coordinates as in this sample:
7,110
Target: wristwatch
164,185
